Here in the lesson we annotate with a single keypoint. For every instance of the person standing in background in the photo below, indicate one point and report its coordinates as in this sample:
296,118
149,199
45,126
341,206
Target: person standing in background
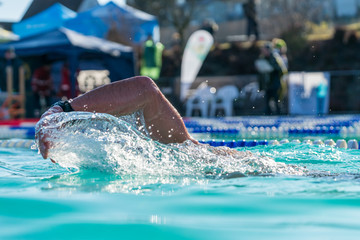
280,48
251,17
321,94
65,86
151,61
272,77
42,87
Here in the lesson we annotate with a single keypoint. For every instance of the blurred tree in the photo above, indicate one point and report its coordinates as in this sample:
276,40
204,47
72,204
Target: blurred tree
176,13
290,13
288,19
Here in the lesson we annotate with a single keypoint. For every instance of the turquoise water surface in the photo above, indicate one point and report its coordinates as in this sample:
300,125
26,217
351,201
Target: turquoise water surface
112,181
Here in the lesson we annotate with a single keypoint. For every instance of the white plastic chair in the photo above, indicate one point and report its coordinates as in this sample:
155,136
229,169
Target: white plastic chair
251,91
224,100
200,101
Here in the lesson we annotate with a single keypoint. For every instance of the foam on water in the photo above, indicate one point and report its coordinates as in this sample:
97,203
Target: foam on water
122,146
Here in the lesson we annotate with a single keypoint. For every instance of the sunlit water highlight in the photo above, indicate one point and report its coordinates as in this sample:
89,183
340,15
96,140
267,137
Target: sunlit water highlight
111,179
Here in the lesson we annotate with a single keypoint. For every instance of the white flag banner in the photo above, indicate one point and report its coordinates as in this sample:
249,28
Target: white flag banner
196,50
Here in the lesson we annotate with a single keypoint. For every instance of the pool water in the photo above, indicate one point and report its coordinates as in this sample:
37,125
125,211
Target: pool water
112,181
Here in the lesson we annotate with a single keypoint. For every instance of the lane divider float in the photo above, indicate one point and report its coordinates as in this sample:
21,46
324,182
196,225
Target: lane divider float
17,143
341,143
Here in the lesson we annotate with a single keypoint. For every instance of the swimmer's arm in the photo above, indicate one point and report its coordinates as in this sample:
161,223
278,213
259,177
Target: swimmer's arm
123,97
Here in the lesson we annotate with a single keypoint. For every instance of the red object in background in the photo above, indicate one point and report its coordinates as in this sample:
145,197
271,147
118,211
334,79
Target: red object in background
65,87
19,122
41,82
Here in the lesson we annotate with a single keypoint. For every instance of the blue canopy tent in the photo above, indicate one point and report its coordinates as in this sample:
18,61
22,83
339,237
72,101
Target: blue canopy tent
72,47
122,24
117,23
49,19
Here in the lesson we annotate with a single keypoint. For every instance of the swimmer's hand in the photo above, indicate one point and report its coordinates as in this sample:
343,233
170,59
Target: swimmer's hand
41,137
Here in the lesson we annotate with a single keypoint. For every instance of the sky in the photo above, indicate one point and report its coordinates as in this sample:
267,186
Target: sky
13,10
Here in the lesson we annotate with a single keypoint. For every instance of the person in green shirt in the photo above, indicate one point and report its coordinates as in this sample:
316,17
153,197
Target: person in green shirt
151,61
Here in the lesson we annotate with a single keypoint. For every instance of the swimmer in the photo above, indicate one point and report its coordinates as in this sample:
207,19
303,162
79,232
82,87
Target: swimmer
124,97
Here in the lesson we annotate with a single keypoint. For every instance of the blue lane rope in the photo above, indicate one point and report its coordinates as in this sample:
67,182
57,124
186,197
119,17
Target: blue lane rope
234,143
341,143
29,132
239,125
295,126
17,132
292,131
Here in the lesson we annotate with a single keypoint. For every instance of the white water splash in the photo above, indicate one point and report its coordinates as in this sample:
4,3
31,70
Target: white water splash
121,146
